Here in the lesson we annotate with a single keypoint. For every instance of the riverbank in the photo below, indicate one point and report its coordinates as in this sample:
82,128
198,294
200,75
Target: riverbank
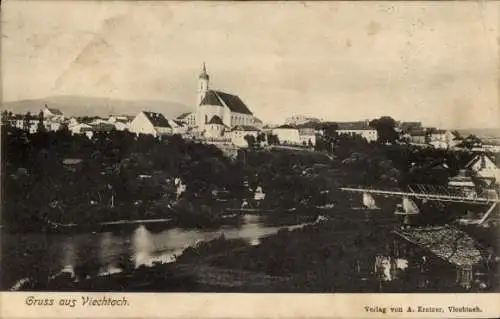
224,264
120,248
335,254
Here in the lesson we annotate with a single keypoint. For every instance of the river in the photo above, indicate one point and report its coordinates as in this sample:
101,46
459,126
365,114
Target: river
41,255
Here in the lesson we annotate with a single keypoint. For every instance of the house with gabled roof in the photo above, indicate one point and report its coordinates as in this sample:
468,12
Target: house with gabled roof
150,123
417,136
178,127
484,167
188,118
441,253
361,128
440,138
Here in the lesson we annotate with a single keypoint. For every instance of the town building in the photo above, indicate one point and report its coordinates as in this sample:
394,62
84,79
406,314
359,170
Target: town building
360,128
215,128
485,168
287,134
150,123
178,127
307,136
441,256
417,136
53,120
442,138
120,126
102,127
81,128
239,132
214,106
120,118
121,122
188,118
406,127
25,122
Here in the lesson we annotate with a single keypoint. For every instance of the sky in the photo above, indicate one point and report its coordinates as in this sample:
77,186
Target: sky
436,62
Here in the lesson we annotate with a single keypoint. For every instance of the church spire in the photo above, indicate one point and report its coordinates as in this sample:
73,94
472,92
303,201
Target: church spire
204,74
203,83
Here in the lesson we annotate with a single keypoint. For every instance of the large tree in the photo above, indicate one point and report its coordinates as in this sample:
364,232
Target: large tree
385,127
40,126
329,129
251,140
27,121
471,141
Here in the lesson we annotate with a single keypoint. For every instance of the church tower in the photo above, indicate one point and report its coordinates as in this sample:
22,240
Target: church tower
203,81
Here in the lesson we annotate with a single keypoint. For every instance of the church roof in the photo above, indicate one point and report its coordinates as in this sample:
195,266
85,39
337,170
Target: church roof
233,102
157,119
211,98
216,120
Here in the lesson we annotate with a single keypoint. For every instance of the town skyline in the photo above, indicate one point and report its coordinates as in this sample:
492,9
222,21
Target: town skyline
417,63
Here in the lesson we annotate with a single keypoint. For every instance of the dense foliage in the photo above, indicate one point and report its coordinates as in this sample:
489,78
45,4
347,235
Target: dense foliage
68,178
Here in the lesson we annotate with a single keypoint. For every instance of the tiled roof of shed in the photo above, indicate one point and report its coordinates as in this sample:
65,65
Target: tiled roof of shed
446,242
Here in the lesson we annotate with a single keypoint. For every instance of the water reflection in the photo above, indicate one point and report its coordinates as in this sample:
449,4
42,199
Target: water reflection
143,247
69,253
86,255
108,257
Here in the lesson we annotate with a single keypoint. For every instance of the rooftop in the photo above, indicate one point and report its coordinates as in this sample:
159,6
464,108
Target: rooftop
245,128
359,125
216,120
485,159
445,242
286,126
417,132
157,119
183,115
233,102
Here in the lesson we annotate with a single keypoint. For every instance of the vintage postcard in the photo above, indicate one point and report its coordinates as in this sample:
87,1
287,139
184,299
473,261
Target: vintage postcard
250,159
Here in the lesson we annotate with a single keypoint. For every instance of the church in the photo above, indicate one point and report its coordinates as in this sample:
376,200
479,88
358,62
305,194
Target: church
218,112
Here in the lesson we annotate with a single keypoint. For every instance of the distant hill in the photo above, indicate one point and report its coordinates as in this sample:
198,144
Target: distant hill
92,106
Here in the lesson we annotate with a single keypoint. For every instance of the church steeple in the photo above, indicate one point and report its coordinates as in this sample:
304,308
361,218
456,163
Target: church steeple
203,81
204,74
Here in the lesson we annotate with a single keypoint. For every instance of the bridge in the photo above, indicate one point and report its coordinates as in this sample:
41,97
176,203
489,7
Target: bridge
436,193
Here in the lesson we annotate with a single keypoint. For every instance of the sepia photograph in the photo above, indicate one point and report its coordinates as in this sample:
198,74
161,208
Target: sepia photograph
253,147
